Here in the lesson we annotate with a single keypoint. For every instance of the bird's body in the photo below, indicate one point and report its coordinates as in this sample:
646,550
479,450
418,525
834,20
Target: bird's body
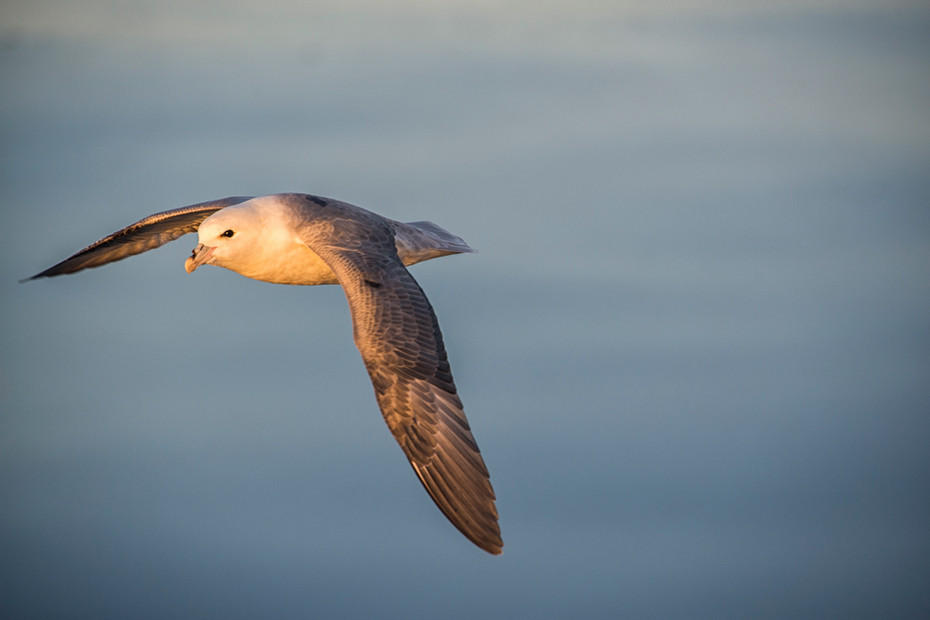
309,240
278,254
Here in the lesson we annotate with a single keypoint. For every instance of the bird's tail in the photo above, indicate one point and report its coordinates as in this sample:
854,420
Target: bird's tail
419,241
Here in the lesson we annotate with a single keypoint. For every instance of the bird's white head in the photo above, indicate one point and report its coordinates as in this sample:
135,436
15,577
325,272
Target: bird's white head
254,238
228,237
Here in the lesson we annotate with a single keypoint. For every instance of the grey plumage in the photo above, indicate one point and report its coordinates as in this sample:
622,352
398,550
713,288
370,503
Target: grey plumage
146,234
394,326
397,333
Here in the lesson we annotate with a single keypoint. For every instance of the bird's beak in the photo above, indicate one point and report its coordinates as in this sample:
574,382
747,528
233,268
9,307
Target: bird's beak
201,254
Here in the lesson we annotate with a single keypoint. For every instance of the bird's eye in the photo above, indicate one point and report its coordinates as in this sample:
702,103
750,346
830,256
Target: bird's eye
228,233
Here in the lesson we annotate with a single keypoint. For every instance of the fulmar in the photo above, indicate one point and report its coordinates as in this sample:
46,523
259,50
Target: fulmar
306,239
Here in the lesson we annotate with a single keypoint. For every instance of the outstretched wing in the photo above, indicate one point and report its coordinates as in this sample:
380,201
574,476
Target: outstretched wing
398,336
146,234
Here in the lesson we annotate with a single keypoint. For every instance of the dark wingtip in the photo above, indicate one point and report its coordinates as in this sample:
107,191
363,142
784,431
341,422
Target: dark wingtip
493,544
48,273
496,550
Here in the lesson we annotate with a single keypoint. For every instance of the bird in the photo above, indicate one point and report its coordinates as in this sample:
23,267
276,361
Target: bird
305,239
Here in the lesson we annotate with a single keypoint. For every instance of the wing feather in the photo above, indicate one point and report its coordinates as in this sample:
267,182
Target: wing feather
146,234
397,333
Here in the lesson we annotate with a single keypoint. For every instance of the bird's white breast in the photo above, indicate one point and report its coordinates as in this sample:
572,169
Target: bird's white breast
278,255
292,263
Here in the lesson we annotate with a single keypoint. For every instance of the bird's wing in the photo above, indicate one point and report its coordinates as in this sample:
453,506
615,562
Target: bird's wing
146,234
398,336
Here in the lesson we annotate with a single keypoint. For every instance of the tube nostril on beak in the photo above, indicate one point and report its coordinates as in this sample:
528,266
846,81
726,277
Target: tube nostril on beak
200,255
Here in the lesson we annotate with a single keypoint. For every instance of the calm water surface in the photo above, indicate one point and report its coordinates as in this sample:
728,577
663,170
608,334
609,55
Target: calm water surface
693,344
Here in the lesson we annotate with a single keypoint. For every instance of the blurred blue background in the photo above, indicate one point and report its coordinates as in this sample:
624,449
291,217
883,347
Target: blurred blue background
693,345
